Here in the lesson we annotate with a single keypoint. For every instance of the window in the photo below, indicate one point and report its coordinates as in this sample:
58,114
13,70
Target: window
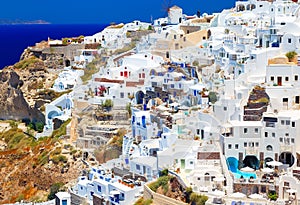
99,188
191,162
273,134
296,77
286,134
245,130
121,73
286,78
256,130
293,124
272,78
282,122
292,140
174,36
288,122
198,178
297,99
229,146
236,146
245,144
256,144
121,95
289,40
266,134
280,139
137,166
269,148
225,108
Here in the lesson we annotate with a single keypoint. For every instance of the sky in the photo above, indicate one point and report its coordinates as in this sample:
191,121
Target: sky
103,11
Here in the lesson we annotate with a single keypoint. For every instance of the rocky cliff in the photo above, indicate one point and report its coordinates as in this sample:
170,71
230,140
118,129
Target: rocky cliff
12,101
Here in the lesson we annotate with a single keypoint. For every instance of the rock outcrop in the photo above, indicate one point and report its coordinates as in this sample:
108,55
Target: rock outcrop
13,104
257,104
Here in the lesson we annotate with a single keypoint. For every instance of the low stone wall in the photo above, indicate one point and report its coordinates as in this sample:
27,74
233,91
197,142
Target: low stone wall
159,199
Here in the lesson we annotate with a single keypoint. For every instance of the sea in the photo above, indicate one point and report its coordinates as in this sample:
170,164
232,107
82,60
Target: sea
15,38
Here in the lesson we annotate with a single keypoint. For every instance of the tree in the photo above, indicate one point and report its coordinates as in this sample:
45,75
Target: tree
56,187
39,126
212,97
108,104
291,55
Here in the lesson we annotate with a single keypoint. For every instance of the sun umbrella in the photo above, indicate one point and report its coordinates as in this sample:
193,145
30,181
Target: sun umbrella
267,170
247,169
219,179
274,163
218,193
291,191
255,196
238,195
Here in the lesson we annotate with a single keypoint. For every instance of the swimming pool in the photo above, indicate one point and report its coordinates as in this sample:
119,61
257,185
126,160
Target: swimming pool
232,164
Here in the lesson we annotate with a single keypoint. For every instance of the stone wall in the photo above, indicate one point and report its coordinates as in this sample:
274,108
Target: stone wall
76,200
159,199
250,188
208,155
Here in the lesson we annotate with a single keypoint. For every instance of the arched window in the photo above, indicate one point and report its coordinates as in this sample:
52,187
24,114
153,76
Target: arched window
269,148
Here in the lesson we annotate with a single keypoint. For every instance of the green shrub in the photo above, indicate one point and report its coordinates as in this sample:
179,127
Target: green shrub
272,195
198,199
164,172
54,189
59,158
108,103
290,55
39,126
141,201
212,97
161,182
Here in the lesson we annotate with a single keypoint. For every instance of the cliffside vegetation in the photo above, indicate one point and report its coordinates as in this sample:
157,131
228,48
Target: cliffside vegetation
34,170
29,62
169,186
91,68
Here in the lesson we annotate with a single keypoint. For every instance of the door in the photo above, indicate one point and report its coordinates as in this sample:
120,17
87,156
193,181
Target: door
279,81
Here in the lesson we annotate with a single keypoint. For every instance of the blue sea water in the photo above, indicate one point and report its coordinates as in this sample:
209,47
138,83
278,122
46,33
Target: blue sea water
15,38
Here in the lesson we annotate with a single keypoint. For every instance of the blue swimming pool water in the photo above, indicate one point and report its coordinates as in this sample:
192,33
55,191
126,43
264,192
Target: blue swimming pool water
232,164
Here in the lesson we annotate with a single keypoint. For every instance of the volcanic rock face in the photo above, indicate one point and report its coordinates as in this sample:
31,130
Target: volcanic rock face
257,104
12,102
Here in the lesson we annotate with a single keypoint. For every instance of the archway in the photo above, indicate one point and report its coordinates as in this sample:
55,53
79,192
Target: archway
251,161
139,97
241,7
287,158
269,148
67,63
251,7
52,114
208,33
